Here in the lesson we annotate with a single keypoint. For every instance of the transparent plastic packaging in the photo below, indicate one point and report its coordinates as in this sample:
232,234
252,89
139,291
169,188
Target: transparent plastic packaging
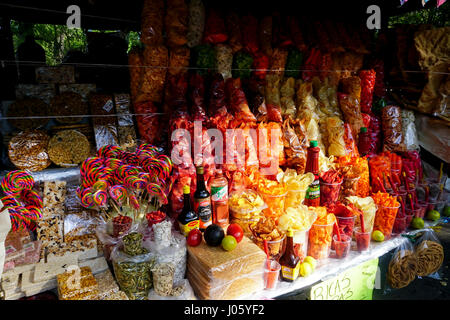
155,61
352,112
403,266
409,130
224,60
196,23
391,124
232,22
429,253
29,150
176,23
152,22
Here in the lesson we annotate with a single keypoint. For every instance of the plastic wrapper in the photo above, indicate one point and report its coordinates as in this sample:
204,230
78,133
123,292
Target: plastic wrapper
148,121
260,65
402,269
234,31
273,102
83,89
391,123
224,60
312,64
278,61
287,91
67,104
270,146
352,86
375,134
409,131
229,275
336,142
107,286
351,111
326,95
87,288
178,60
176,23
78,226
387,211
163,278
215,31
45,92
352,175
105,129
126,131
265,35
242,64
29,107
293,148
156,59
320,234
429,252
238,101
29,150
281,34
196,23
368,208
152,22
249,31
204,59
185,292
368,78
197,97
294,63
133,273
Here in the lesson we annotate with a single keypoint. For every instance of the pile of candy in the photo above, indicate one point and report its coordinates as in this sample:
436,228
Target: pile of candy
24,204
125,178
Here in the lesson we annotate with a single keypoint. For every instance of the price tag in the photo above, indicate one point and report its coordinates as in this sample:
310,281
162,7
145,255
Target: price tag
354,284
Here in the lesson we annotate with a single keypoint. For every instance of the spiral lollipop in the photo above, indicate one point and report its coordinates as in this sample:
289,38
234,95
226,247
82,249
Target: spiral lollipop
109,151
86,198
118,193
100,198
134,202
113,163
18,221
17,180
168,163
31,198
156,191
100,185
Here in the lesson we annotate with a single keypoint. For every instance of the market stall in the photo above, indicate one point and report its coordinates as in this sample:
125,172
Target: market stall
239,154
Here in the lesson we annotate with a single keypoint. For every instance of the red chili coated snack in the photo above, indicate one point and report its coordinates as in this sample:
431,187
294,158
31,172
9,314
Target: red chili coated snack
155,217
330,185
368,78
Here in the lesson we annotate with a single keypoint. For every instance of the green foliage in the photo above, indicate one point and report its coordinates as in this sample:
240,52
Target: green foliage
438,17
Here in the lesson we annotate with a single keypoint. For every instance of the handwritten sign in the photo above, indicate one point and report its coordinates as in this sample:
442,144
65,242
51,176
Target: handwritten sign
354,284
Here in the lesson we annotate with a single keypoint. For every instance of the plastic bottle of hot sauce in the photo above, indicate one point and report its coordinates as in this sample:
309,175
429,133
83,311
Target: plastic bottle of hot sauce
289,260
202,201
312,198
363,142
219,198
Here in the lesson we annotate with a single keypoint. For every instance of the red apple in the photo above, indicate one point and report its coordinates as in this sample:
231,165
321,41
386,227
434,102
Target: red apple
236,231
194,238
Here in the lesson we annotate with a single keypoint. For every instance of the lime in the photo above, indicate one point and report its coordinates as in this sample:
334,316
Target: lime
311,261
433,215
417,223
305,269
446,212
378,236
229,243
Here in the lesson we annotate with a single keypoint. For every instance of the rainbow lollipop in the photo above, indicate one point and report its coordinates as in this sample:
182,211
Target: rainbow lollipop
16,181
155,190
134,202
100,185
31,198
118,193
86,198
100,198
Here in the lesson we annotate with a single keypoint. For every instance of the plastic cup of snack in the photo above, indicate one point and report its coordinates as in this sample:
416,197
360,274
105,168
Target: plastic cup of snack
342,247
329,192
245,223
346,224
271,274
319,240
301,243
294,198
408,218
121,225
275,204
399,226
437,205
385,219
155,217
362,239
276,247
422,209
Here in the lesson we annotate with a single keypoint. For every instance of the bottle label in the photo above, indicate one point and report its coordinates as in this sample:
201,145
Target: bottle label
289,273
313,191
203,209
186,228
219,193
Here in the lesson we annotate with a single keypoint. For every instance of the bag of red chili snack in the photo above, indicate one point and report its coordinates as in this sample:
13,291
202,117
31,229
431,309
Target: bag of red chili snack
148,121
330,187
249,29
238,101
374,134
273,102
260,65
281,36
197,97
215,31
296,33
233,25
368,78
